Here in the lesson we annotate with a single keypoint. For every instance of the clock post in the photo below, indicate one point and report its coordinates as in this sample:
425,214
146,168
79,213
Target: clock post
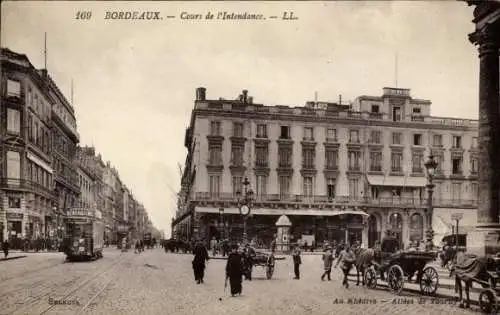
245,205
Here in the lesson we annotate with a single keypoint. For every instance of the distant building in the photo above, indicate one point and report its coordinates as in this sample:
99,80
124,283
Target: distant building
310,162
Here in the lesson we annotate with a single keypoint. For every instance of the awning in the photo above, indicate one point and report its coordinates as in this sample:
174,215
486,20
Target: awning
442,222
396,181
40,163
279,212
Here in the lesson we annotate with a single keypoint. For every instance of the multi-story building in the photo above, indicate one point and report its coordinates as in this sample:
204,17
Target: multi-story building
26,185
87,181
65,139
312,162
109,214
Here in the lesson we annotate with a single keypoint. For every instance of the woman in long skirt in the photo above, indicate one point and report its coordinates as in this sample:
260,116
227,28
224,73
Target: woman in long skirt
234,271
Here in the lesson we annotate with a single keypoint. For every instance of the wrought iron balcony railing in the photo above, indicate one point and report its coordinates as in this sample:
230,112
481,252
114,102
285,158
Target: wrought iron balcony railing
23,184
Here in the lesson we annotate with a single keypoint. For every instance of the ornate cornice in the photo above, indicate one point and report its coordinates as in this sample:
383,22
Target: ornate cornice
308,172
237,169
238,140
215,139
215,168
261,141
331,173
284,171
354,146
331,145
261,171
285,142
308,144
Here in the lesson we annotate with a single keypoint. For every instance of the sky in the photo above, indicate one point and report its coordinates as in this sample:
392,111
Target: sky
135,80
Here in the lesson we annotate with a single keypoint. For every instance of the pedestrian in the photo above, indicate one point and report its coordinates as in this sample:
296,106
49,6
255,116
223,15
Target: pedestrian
346,259
200,257
327,263
5,248
296,261
273,244
248,258
234,268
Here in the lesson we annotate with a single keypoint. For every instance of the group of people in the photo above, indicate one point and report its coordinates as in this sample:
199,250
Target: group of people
239,264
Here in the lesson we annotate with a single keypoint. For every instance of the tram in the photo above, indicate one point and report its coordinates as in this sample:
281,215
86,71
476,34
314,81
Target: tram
85,232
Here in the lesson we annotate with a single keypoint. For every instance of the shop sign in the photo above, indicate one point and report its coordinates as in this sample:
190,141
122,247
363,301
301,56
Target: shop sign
122,228
14,216
80,212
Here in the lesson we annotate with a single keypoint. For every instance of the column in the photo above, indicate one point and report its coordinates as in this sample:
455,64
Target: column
489,128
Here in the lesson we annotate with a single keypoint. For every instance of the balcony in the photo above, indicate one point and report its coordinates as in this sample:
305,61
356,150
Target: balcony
25,185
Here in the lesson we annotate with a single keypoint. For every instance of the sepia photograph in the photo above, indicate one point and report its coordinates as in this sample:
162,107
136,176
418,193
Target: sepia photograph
250,157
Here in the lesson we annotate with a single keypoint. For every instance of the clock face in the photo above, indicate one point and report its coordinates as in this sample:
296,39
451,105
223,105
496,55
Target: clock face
245,210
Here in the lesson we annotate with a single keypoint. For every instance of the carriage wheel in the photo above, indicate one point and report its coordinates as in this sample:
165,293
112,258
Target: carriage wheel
396,279
269,271
370,278
488,301
429,281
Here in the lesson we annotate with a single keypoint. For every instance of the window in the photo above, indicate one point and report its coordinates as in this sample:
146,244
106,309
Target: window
14,202
308,186
417,139
284,183
215,181
474,191
396,138
456,165
416,227
13,121
215,128
308,158
375,161
330,188
215,155
354,157
353,188
437,140
474,167
237,156
455,192
13,88
474,142
416,110
396,161
308,133
331,159
261,131
416,161
439,158
13,165
261,185
237,129
396,114
375,136
285,132
285,157
457,142
261,155
375,109
237,185
331,134
354,136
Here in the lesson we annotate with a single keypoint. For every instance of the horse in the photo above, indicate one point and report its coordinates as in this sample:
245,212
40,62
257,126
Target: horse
469,269
364,258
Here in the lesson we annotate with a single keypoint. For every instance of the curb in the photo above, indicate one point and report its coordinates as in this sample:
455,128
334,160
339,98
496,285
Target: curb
14,257
225,258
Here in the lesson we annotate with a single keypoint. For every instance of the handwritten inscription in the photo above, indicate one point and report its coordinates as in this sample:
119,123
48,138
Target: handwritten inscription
187,16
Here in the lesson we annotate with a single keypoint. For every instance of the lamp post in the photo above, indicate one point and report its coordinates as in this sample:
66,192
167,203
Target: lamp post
245,205
221,215
430,166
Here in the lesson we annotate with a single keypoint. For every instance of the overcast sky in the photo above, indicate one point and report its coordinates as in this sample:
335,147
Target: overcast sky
135,81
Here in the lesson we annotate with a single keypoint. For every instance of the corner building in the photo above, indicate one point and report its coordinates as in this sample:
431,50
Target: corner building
310,162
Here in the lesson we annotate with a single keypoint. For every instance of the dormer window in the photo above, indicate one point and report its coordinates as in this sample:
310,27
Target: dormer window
375,109
285,132
417,139
416,111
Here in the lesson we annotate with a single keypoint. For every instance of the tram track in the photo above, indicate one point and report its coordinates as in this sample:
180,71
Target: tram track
48,289
88,290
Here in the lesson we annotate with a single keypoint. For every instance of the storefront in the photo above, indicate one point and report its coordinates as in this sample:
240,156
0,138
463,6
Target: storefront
15,229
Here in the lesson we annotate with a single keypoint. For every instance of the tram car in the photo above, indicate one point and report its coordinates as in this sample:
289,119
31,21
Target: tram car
85,232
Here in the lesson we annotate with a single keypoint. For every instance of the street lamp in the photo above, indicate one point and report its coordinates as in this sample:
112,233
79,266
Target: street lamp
245,205
221,214
430,166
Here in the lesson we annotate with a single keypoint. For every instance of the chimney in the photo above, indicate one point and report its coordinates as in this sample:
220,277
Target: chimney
250,100
245,95
201,94
340,99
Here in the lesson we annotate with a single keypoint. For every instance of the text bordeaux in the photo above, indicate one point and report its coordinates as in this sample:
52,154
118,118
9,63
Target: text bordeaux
132,15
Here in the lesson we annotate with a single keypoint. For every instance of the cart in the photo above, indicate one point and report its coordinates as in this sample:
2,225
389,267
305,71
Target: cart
263,260
399,266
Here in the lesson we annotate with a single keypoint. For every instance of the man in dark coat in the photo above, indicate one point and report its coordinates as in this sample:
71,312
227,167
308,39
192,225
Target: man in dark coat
200,256
296,261
5,248
234,270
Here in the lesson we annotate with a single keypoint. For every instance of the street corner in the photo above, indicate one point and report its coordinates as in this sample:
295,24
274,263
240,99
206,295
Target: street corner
12,258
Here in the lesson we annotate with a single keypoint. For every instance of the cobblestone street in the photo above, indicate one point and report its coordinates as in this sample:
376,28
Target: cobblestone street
159,283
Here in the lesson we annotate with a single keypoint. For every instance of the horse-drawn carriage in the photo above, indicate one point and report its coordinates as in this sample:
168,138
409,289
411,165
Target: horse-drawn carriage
401,265
260,259
482,270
